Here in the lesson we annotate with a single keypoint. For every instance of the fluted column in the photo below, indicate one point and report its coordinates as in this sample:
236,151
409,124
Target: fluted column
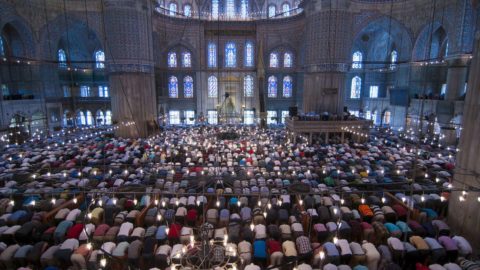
128,30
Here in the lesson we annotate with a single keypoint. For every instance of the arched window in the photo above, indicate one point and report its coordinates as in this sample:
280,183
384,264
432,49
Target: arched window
230,55
100,118
230,8
286,9
357,59
287,60
188,87
108,117
374,117
271,11
248,86
244,9
287,87
296,3
81,121
212,87
2,47
89,118
212,54
393,59
62,59
172,9
186,59
66,120
172,59
173,87
272,87
356,87
99,59
273,60
187,10
249,51
215,9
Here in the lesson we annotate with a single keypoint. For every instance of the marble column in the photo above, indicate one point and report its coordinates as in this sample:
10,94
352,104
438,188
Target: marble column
464,217
129,55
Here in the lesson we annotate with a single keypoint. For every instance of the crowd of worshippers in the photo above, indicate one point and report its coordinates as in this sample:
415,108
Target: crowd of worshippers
243,192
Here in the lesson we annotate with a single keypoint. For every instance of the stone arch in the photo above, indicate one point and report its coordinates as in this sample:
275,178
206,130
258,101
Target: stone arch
10,18
377,36
430,42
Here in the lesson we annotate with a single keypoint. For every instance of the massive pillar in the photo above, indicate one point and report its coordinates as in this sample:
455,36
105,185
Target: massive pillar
456,76
328,42
463,216
129,48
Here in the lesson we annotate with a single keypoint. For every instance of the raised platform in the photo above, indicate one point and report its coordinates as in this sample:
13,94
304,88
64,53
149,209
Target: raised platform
357,130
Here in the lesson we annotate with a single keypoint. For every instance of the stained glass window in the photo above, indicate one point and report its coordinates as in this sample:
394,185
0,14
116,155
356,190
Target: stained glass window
271,11
273,60
212,54
89,118
287,87
374,91
84,91
287,60
100,118
212,87
356,87
172,59
248,117
286,9
357,60
244,9
188,87
186,59
81,121
285,114
99,59
187,10
272,87
103,91
108,117
230,55
249,54
62,58
173,87
248,86
215,9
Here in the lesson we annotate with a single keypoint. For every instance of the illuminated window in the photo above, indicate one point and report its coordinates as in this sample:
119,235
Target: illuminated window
273,60
272,87
374,91
386,118
84,91
62,58
81,120
173,87
356,87
230,8
286,9
99,59
248,117
248,86
215,9
172,59
287,87
189,117
244,9
100,118
230,55
393,59
89,118
187,10
271,117
212,55
188,87
212,87
271,11
287,60
172,9
285,115
212,117
186,59
249,52
174,117
103,91
357,60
